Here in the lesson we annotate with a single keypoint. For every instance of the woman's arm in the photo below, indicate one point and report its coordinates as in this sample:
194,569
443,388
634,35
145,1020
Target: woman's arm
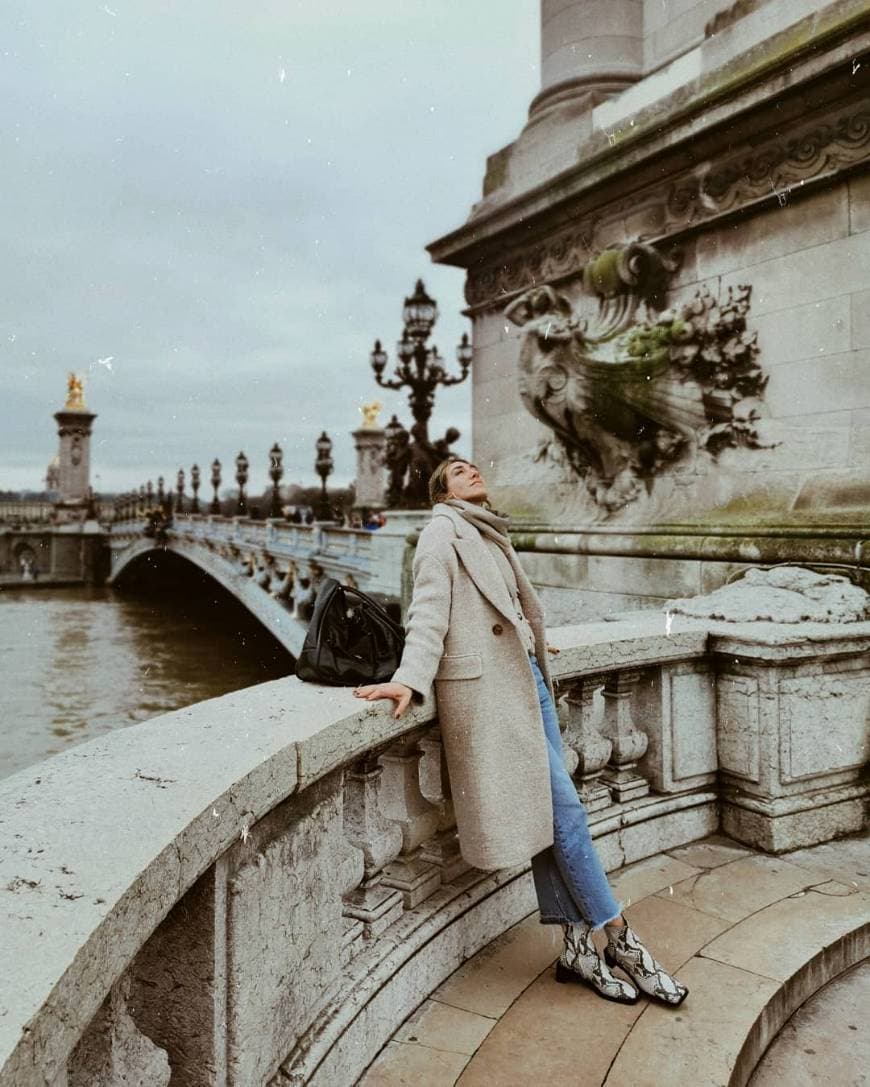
425,630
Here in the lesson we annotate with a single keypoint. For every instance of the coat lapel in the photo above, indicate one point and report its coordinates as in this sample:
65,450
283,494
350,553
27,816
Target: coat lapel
480,565
483,571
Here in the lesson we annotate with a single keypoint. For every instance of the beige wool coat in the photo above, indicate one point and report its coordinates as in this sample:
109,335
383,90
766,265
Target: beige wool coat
461,635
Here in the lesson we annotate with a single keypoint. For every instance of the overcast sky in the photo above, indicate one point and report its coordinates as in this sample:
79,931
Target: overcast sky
211,209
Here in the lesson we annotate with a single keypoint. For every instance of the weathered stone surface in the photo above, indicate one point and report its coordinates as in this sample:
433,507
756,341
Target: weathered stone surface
815,918
825,1040
502,970
114,1051
725,1003
284,927
788,594
441,1026
402,1065
734,890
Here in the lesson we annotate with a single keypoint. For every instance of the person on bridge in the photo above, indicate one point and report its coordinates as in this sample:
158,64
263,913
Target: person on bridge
475,630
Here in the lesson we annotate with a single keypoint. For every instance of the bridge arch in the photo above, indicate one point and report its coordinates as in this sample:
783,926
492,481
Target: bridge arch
271,613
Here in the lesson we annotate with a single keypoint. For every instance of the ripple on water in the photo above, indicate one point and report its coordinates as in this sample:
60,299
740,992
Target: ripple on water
81,662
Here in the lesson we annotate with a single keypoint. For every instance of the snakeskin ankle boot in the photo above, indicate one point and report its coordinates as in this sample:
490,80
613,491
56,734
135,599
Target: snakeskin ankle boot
580,961
625,950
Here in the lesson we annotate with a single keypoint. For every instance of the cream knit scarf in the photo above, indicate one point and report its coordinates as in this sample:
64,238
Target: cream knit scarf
489,522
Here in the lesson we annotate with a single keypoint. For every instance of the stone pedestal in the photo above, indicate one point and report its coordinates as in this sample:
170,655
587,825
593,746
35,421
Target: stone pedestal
370,444
74,456
792,732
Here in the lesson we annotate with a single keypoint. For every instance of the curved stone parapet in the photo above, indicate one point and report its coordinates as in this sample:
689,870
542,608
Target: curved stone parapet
260,888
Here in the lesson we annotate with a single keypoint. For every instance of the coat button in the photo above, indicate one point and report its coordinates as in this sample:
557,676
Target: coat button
497,628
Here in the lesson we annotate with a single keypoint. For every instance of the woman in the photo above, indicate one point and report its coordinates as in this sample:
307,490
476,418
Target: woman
475,629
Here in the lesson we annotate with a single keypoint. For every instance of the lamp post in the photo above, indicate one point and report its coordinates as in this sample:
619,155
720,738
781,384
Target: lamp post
179,490
215,482
276,471
161,493
323,466
420,368
241,479
149,496
194,483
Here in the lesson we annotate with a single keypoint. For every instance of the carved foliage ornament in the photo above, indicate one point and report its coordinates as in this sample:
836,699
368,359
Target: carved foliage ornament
636,389
697,196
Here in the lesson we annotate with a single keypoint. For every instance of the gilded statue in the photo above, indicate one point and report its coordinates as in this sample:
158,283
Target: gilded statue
75,393
370,414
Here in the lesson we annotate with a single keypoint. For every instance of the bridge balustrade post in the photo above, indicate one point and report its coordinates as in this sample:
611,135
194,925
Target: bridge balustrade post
402,800
380,841
284,592
629,743
442,848
586,741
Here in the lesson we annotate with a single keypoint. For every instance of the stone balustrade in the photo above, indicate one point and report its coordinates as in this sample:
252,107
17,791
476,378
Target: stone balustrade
285,560
259,889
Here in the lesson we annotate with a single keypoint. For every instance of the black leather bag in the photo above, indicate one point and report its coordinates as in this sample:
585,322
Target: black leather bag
350,640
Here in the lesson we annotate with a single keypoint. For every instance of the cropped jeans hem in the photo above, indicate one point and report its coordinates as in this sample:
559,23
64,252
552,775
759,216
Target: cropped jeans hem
570,881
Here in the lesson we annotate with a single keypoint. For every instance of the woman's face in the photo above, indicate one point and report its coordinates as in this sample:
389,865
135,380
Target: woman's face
465,481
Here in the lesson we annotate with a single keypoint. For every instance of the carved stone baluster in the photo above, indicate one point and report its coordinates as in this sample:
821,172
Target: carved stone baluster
284,592
592,749
265,571
442,848
402,801
380,840
629,743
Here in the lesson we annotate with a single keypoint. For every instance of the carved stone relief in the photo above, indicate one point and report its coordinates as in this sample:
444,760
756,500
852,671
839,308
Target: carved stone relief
694,197
633,390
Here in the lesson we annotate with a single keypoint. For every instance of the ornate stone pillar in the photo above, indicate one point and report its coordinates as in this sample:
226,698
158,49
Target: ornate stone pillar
403,802
590,50
442,848
380,840
370,442
592,749
629,743
74,454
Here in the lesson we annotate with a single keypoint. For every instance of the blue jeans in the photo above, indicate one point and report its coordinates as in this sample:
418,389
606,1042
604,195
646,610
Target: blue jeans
570,880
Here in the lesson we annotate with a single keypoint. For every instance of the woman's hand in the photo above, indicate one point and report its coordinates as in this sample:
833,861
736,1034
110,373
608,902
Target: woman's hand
397,692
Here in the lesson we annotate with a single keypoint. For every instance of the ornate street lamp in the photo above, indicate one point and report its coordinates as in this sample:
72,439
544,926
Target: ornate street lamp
161,493
179,490
323,466
215,482
421,370
194,483
276,471
241,479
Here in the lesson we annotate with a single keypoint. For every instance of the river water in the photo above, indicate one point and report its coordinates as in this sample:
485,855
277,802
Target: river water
79,662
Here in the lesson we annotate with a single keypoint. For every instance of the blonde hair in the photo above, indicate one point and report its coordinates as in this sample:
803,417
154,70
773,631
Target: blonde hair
438,489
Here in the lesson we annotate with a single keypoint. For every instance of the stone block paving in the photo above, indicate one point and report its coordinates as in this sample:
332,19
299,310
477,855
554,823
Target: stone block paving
749,933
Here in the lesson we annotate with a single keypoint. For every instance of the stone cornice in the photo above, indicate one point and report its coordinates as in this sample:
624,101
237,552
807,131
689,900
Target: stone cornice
787,125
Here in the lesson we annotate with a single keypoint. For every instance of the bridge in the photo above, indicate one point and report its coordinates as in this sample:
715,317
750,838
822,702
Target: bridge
273,567
261,888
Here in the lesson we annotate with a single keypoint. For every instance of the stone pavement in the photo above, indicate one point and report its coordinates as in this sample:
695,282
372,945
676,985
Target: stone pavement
752,935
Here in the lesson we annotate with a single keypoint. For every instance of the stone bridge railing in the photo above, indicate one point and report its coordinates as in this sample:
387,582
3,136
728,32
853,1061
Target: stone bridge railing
275,567
258,889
